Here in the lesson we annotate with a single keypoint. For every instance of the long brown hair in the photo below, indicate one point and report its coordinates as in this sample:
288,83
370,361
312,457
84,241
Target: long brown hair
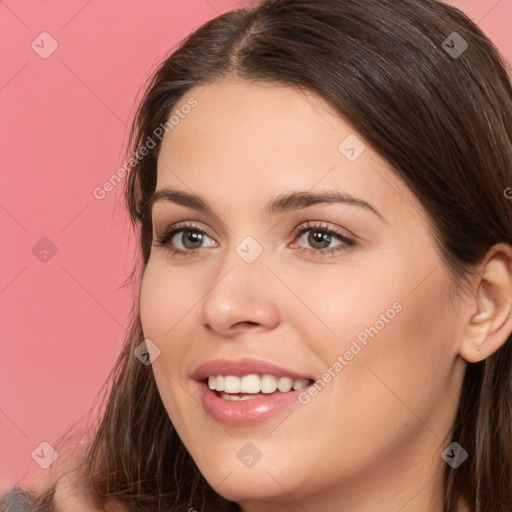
438,111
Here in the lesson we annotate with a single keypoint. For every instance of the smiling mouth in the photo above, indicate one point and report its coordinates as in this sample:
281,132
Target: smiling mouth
249,399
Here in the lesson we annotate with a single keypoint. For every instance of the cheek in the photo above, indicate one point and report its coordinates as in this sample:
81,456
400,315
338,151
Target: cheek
150,292
403,369
391,329
341,304
168,312
163,309
164,300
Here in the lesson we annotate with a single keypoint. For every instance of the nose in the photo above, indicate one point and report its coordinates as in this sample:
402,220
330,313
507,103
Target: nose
242,297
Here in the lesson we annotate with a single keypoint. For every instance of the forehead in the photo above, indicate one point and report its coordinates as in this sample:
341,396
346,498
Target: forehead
249,141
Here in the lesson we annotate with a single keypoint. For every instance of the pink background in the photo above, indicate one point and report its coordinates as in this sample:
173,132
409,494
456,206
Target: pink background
64,130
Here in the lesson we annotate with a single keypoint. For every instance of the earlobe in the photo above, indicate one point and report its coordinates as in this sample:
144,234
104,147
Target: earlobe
490,321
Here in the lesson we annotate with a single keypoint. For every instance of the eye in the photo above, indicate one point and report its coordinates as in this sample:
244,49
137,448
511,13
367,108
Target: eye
320,237
188,235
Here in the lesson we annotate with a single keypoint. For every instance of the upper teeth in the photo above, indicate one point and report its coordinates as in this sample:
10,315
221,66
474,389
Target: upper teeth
254,383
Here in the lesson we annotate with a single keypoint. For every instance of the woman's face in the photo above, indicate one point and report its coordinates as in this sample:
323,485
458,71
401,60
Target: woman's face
371,321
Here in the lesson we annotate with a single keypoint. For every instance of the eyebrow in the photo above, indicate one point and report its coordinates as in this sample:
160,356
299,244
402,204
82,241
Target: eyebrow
281,204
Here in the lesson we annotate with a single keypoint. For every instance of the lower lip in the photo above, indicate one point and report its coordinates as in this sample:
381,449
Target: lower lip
246,412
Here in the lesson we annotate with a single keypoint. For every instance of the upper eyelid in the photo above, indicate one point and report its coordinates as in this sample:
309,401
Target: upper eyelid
184,225
322,225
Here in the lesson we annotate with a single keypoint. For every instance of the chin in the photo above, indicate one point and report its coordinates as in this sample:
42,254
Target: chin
244,487
264,482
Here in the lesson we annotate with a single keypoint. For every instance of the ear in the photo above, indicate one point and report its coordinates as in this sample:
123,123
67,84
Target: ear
490,314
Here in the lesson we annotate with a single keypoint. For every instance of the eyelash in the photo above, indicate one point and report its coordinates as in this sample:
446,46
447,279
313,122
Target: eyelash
169,233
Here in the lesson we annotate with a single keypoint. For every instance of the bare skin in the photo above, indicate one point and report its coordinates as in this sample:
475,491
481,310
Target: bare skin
372,438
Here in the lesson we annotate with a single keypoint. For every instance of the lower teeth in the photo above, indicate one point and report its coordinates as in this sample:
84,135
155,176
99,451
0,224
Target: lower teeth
239,396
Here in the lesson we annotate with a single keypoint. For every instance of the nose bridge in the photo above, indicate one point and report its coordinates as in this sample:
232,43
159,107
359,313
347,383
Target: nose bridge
246,248
241,291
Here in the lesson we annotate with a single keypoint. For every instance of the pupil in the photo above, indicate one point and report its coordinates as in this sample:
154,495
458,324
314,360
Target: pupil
319,237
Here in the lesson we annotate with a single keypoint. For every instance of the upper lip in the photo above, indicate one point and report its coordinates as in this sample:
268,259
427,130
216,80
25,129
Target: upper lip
241,367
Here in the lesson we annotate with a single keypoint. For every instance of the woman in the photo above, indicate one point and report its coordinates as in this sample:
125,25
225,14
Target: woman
325,308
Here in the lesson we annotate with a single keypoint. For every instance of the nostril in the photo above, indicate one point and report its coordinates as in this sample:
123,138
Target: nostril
248,322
